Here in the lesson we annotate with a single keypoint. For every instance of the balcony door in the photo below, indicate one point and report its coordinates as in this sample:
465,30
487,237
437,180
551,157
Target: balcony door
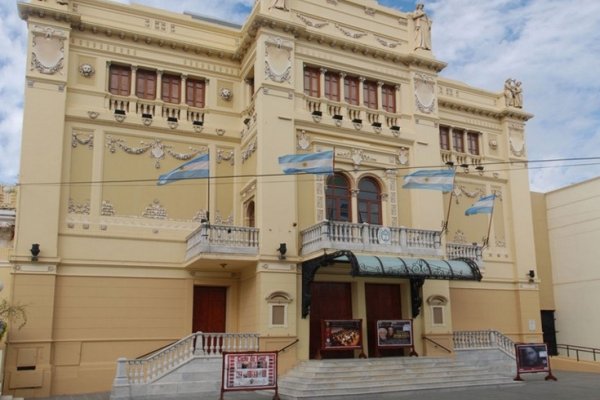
210,303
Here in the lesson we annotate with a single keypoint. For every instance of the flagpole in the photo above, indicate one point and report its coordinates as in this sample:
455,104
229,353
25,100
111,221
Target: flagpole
487,239
445,223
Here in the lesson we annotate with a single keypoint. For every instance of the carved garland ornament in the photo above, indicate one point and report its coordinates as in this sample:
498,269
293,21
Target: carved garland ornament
312,24
353,35
278,60
77,138
83,208
424,93
223,155
48,49
249,151
157,150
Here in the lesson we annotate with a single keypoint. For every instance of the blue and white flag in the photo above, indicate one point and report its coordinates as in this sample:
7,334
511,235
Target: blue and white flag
312,163
194,169
430,179
484,205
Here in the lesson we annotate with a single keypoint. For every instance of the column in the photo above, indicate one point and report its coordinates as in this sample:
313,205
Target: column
379,95
133,79
361,94
342,88
183,89
159,74
397,94
322,82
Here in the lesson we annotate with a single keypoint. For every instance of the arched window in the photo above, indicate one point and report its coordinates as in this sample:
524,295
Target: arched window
369,201
338,198
250,214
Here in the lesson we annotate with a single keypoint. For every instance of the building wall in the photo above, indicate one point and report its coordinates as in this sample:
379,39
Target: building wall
573,230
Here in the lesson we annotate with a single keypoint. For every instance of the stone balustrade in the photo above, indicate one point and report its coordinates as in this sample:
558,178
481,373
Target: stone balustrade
222,239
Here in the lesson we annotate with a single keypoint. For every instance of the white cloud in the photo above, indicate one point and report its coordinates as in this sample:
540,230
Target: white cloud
552,46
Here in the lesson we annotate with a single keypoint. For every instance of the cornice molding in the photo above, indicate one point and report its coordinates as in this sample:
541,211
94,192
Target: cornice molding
454,104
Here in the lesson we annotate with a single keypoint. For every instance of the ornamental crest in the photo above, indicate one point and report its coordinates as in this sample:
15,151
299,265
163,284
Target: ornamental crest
278,60
424,93
48,49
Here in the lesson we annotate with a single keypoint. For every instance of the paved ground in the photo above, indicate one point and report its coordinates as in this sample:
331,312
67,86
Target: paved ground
570,386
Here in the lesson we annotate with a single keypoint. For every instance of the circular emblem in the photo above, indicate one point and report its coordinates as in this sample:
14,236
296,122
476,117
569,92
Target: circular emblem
384,235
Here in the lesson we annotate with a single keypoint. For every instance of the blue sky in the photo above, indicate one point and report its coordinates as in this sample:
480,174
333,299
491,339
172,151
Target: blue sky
552,46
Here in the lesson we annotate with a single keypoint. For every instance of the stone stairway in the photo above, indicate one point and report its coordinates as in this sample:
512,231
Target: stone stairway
335,379
9,397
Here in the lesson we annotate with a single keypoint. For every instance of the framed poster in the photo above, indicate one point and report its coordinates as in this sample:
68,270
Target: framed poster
249,371
341,334
532,357
395,333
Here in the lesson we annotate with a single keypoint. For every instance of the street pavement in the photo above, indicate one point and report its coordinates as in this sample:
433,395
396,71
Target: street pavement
569,386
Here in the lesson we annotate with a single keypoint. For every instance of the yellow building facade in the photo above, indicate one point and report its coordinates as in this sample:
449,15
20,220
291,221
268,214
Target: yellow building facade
118,95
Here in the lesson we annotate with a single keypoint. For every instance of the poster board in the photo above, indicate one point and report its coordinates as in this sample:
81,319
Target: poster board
341,334
249,371
532,358
394,333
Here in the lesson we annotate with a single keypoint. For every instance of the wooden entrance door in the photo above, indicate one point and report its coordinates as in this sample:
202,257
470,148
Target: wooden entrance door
210,303
330,300
382,302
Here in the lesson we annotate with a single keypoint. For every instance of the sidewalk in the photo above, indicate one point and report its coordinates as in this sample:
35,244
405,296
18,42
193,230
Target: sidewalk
570,385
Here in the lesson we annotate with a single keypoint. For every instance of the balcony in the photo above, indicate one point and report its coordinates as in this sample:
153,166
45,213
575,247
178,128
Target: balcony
224,239
368,238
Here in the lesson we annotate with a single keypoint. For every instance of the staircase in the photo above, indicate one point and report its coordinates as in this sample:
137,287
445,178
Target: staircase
333,379
9,397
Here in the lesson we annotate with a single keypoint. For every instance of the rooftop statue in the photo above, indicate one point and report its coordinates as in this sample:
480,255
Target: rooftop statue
422,28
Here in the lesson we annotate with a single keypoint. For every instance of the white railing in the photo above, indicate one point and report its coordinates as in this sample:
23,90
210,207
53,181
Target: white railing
490,339
367,237
222,239
148,369
470,251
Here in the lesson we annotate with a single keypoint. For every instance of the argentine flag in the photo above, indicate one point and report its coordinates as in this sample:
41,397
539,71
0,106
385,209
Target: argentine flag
194,169
430,179
484,205
312,163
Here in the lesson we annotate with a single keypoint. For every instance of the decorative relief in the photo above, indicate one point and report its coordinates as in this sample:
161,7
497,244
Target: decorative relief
83,208
493,144
155,211
226,94
459,237
157,150
425,93
220,132
279,4
320,197
369,11
200,216
249,151
303,140
517,143
93,114
223,155
107,209
460,190
278,60
219,220
402,156
334,2
86,70
48,49
80,139
353,35
312,23
357,156
383,42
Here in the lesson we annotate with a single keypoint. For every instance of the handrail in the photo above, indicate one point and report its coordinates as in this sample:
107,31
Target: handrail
288,346
577,349
156,350
437,344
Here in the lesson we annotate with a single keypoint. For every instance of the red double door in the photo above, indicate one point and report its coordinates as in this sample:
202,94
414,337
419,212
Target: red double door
333,300
210,305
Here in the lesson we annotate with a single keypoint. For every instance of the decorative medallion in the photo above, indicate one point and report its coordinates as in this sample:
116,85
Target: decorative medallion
157,150
48,49
403,156
86,70
493,144
278,60
220,132
517,143
93,114
424,93
226,94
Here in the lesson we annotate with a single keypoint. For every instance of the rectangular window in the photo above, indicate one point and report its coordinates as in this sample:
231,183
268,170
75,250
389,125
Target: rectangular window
370,94
388,98
194,92
278,315
332,86
458,140
473,142
444,138
145,87
119,82
438,315
311,81
351,90
171,88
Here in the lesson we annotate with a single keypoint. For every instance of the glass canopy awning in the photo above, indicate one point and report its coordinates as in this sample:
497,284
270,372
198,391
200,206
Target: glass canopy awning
414,269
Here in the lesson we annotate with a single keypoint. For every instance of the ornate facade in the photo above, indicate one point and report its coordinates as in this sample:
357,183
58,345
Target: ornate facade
117,95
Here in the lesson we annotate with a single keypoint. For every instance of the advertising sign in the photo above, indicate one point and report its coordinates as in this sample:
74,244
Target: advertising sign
532,357
394,333
249,371
341,334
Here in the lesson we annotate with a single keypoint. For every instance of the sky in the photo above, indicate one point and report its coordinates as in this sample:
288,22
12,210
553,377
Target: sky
552,46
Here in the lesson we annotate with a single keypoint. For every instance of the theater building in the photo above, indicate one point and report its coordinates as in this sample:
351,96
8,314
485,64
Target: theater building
117,95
